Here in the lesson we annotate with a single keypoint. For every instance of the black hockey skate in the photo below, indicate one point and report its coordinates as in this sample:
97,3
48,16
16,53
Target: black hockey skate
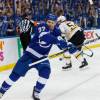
35,95
84,64
67,66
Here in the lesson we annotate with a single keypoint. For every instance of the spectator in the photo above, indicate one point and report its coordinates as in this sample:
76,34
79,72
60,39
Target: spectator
4,25
80,11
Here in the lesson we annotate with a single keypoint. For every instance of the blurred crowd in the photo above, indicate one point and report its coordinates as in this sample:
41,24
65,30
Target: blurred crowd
79,11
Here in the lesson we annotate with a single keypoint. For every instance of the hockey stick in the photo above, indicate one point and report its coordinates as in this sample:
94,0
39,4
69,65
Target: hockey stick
98,37
89,55
63,51
49,57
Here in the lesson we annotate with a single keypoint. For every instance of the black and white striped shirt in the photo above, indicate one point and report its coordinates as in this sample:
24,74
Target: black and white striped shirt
25,25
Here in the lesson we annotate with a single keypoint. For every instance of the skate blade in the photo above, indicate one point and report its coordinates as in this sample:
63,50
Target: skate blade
68,69
84,68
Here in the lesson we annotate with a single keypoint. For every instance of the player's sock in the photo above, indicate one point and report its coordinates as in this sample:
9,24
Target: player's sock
67,60
5,87
44,75
38,88
8,83
80,58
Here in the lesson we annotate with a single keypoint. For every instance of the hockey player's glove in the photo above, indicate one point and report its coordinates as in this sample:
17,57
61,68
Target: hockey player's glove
71,48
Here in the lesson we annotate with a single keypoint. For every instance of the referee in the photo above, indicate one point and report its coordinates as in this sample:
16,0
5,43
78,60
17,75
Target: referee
24,29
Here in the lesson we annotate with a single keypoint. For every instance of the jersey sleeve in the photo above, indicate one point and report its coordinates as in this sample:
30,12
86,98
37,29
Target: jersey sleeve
50,39
63,28
47,38
56,32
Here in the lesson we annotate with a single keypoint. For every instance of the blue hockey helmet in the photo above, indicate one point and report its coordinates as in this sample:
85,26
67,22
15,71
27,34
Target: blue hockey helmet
51,17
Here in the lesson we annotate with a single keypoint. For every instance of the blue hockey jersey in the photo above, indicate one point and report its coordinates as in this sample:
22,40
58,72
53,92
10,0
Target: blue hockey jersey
43,40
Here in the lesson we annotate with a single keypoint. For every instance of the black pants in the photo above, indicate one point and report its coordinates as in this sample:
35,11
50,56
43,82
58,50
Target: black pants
25,39
78,39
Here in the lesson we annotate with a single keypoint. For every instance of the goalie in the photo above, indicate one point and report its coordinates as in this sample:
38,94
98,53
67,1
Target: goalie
73,34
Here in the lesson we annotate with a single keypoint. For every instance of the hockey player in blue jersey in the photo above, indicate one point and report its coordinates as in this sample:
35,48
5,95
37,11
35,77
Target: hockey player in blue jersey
38,49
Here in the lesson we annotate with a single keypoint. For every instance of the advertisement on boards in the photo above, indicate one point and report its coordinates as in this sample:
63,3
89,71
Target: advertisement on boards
92,35
1,50
11,48
8,52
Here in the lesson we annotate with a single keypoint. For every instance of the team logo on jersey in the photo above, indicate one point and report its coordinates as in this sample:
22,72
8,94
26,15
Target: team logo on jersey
43,43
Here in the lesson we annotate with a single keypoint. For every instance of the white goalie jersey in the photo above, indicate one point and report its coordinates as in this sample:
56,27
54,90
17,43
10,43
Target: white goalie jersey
69,28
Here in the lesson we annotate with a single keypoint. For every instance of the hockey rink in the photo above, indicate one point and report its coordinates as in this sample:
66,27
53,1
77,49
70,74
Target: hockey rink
74,84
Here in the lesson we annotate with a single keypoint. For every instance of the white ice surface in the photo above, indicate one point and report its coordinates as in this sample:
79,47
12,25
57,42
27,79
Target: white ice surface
63,85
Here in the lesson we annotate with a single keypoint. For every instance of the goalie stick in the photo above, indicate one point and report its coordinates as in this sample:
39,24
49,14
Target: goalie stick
63,51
